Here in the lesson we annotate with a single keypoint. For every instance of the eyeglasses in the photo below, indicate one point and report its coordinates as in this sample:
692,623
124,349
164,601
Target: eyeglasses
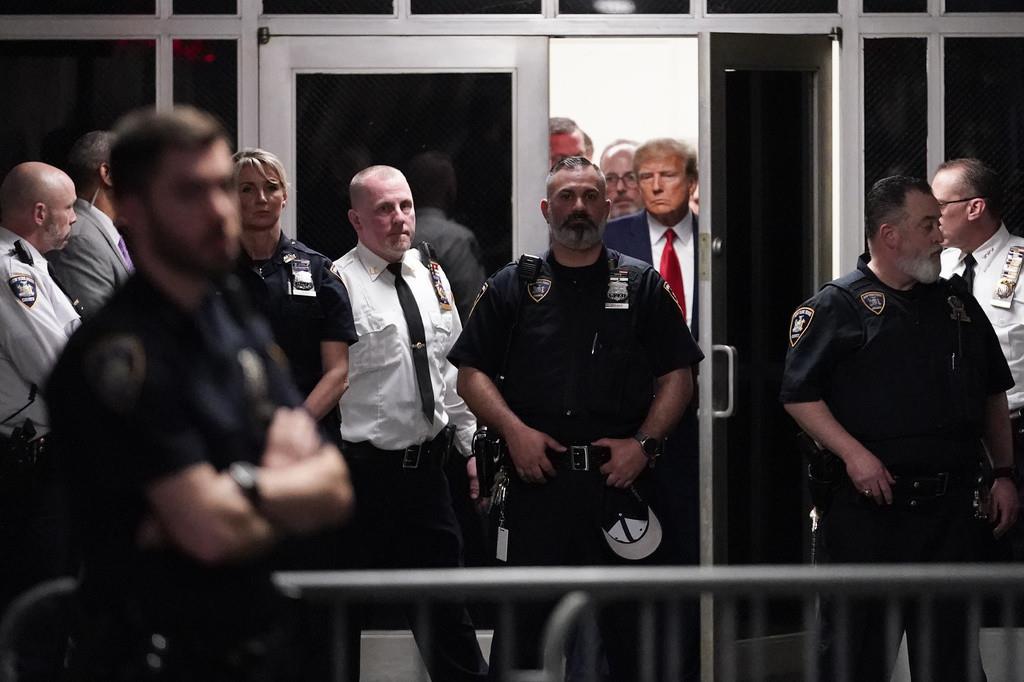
628,179
944,204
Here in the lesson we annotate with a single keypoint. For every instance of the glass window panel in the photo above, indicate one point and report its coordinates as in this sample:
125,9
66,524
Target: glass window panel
985,5
346,122
895,108
56,90
772,6
205,7
624,6
476,6
985,112
895,5
206,76
78,7
328,7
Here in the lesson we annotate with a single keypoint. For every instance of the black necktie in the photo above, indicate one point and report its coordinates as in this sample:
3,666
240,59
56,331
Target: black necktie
969,264
418,340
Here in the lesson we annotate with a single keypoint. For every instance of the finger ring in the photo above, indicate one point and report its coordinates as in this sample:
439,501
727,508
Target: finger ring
867,491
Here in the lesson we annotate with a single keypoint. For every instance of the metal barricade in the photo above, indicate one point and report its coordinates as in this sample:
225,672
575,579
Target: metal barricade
902,589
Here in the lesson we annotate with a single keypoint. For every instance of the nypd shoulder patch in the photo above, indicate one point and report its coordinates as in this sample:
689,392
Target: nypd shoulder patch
24,288
873,301
799,324
539,289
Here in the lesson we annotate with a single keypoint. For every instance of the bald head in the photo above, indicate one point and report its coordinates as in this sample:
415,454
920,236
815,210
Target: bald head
358,189
37,203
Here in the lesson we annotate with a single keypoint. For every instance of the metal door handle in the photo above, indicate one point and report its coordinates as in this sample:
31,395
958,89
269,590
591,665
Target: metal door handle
730,353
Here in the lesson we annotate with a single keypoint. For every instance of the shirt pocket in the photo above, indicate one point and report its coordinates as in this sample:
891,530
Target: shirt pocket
441,323
379,344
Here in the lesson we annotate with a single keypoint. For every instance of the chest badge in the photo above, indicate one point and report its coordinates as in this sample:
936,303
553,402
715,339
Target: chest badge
959,312
873,301
302,278
539,289
618,292
24,288
799,324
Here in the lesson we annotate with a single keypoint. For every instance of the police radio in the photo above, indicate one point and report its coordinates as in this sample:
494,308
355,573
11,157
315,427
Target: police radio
528,267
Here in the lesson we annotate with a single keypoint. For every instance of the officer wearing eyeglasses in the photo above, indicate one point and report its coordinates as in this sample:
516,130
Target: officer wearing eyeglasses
980,249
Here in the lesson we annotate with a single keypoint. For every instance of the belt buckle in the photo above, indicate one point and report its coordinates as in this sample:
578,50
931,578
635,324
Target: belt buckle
411,457
579,457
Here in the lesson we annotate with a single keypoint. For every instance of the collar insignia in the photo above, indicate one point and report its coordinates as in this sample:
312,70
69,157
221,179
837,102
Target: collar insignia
873,301
799,324
539,289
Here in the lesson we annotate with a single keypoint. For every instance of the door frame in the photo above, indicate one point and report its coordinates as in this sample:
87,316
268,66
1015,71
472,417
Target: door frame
282,58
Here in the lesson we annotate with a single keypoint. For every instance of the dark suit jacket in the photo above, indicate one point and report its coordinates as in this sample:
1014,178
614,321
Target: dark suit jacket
631,235
677,472
89,266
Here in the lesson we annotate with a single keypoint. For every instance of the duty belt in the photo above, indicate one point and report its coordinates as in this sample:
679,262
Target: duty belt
422,455
580,457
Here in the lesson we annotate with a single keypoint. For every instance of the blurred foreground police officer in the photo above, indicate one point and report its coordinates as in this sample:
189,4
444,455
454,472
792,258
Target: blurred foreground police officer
581,363
401,414
36,319
295,288
899,374
187,456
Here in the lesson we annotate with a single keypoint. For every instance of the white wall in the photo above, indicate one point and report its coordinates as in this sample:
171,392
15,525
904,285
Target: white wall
636,88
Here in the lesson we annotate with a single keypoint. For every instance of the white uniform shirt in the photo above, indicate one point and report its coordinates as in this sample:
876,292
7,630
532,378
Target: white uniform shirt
36,320
683,246
382,403
1008,323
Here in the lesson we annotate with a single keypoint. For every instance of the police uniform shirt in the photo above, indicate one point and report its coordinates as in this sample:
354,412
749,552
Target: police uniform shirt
905,372
382,403
36,320
579,368
144,391
303,313
1008,322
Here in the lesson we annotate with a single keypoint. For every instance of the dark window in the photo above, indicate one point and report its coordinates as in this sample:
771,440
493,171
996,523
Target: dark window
78,7
328,7
56,90
476,7
772,6
985,5
347,122
895,108
624,6
895,5
205,7
206,76
985,111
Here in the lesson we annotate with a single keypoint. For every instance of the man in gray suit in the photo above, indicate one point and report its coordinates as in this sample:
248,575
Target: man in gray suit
95,261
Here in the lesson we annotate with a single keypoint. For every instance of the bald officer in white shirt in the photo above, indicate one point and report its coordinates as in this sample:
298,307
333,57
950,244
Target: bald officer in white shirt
401,415
36,320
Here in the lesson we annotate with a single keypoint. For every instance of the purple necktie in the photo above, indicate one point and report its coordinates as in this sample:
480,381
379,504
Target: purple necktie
124,254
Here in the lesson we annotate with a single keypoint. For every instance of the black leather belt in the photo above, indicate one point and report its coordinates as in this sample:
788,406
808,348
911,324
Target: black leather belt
580,457
426,454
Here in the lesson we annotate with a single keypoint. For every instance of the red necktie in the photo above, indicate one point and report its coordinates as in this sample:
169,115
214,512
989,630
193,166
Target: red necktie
670,270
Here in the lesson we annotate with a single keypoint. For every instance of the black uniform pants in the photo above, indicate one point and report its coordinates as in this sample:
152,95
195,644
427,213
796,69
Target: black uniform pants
558,523
404,519
856,530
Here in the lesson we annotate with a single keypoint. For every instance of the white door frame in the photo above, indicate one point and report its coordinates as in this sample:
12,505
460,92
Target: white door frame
526,58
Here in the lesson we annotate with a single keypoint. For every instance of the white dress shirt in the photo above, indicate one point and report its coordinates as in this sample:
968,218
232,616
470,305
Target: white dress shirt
36,320
683,247
1008,323
382,403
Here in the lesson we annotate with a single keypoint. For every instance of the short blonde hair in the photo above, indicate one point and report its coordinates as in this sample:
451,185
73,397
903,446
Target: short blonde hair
263,161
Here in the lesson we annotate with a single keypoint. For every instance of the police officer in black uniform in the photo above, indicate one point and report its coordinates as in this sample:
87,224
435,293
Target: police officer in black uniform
187,458
582,367
296,289
899,374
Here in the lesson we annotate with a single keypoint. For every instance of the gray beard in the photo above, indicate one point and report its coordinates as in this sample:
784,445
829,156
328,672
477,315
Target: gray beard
923,268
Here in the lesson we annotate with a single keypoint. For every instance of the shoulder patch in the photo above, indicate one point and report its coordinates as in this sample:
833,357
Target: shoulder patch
799,324
539,289
483,290
116,369
24,288
673,295
873,301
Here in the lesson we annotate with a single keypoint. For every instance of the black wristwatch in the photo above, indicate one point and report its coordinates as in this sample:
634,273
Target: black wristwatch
246,476
651,446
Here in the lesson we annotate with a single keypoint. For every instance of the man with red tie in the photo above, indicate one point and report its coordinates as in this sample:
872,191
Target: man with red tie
665,235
